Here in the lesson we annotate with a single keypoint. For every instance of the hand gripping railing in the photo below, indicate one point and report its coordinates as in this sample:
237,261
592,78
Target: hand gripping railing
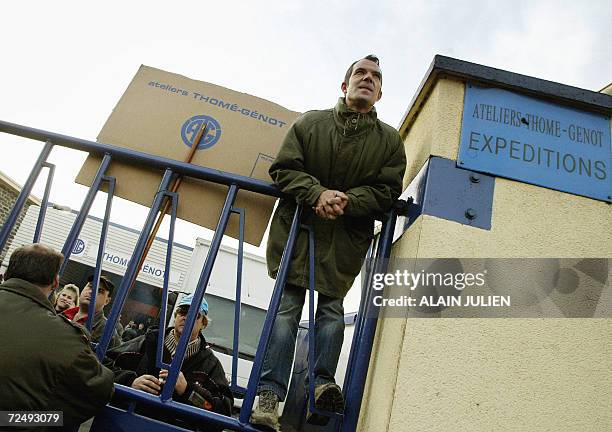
364,333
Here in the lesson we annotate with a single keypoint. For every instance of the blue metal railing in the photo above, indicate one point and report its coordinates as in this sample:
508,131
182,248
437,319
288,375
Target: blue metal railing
44,203
365,327
237,305
101,247
73,235
366,324
164,302
281,277
25,193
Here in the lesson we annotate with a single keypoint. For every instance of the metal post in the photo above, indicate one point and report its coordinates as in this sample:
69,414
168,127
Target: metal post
182,409
44,203
164,306
311,329
101,246
82,216
23,195
130,272
181,347
311,318
354,392
358,328
262,347
237,305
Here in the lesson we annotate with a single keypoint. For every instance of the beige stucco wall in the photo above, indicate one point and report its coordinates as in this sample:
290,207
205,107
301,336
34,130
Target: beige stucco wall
476,374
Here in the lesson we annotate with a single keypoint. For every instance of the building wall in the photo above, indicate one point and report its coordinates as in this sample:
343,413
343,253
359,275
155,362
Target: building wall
507,374
8,196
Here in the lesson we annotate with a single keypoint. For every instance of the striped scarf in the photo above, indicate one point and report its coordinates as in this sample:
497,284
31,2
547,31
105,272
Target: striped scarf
171,343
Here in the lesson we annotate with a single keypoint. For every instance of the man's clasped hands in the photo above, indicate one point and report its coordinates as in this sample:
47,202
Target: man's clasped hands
331,204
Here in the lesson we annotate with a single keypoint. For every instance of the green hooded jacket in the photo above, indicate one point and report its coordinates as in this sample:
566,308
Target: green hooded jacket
337,149
46,363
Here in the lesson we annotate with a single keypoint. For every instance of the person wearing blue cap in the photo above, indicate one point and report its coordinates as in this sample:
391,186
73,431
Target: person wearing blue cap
201,381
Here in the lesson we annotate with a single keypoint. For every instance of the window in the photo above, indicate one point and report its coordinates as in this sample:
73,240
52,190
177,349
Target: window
220,332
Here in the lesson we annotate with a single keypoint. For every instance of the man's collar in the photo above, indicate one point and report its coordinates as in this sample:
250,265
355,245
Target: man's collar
27,289
352,122
343,108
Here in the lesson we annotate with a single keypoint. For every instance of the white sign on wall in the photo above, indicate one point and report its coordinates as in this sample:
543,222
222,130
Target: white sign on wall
148,268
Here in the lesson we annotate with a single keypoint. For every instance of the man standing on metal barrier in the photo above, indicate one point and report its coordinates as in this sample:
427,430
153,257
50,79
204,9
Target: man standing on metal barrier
347,166
46,362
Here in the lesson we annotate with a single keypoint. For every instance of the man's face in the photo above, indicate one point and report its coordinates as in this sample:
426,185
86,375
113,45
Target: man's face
66,300
179,322
365,85
102,298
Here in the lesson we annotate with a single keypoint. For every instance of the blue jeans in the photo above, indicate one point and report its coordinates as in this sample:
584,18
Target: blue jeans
329,335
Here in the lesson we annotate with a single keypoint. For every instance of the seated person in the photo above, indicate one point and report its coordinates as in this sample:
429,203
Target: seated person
79,313
67,297
201,381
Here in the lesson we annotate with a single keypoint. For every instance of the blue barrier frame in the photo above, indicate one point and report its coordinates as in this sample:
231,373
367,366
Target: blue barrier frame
161,335
45,202
262,347
85,208
26,190
365,333
359,319
101,247
311,329
130,272
140,158
360,352
237,305
198,295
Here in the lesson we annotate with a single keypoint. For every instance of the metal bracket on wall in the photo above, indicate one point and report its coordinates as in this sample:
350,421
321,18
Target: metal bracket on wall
446,191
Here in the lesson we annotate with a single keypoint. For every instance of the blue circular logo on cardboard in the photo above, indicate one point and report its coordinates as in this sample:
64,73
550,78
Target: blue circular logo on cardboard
192,126
79,246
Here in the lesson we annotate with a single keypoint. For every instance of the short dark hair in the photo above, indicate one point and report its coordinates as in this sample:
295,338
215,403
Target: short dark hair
349,71
35,263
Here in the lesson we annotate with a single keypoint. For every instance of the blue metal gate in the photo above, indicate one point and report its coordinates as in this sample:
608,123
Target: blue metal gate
126,419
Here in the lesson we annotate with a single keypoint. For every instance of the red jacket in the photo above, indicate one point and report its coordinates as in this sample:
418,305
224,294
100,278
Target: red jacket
97,326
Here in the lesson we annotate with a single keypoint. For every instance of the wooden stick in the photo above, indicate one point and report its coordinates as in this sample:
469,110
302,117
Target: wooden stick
160,217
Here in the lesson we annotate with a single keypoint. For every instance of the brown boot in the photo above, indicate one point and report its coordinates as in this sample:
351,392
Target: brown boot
266,413
328,397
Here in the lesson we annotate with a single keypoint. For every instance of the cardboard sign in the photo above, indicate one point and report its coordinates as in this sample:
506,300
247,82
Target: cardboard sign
160,113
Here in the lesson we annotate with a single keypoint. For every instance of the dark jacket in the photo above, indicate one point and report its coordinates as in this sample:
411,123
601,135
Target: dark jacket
128,334
202,361
46,362
343,150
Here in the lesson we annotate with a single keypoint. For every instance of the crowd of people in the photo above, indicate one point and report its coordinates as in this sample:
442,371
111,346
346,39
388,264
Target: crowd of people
73,303
55,367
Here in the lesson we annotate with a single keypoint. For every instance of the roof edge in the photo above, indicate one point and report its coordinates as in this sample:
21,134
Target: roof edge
16,187
443,66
